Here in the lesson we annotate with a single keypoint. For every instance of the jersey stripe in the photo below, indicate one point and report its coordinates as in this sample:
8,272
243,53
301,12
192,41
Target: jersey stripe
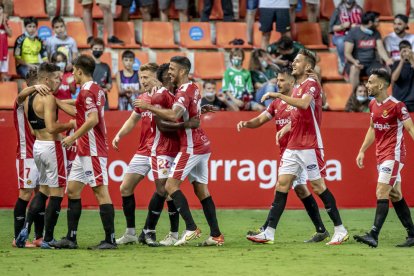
189,134
22,131
315,124
399,140
156,142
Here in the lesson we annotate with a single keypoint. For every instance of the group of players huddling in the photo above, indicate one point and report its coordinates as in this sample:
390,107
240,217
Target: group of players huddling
174,146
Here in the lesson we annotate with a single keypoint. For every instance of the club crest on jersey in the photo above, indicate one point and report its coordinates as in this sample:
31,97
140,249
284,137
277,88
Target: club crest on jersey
88,100
29,182
300,92
385,114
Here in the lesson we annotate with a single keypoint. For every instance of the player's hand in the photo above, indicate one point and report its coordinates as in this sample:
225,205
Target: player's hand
269,95
360,160
68,141
192,123
240,125
389,62
358,65
279,136
115,143
42,89
73,123
207,108
141,104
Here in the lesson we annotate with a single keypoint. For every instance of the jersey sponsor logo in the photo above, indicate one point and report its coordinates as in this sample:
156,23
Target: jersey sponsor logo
382,126
385,170
101,94
311,167
88,173
289,108
282,122
385,114
147,114
370,43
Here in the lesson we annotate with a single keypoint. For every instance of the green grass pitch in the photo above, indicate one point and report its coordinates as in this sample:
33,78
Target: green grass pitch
288,256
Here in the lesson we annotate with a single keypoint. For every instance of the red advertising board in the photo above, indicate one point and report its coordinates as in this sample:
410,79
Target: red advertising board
243,165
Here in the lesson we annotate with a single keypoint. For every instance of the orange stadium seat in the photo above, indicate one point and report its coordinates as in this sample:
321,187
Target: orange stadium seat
12,64
385,28
329,66
36,8
76,29
158,35
310,35
164,57
216,11
8,92
257,36
228,31
126,32
140,55
17,30
209,65
45,23
327,8
337,95
113,96
195,35
384,9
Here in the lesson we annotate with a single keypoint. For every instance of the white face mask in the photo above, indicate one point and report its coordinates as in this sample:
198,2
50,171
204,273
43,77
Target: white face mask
209,95
62,65
361,99
264,63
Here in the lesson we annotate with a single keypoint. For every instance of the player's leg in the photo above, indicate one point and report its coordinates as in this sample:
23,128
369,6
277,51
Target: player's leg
403,213
52,214
173,236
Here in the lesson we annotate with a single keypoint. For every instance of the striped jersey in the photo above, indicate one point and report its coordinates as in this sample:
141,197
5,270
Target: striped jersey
146,138
25,139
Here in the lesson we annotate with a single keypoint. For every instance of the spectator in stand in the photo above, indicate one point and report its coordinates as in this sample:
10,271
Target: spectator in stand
361,46
226,6
5,32
403,76
284,51
67,87
237,83
359,101
346,16
392,41
312,10
251,8
108,19
264,73
180,5
145,7
28,47
62,42
128,82
273,11
217,99
102,73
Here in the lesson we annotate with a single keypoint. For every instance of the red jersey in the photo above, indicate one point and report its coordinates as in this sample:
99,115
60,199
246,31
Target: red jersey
167,143
25,139
63,92
192,141
305,132
280,111
388,118
91,98
146,138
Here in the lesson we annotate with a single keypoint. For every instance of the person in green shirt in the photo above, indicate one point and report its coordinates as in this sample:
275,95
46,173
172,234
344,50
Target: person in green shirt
237,83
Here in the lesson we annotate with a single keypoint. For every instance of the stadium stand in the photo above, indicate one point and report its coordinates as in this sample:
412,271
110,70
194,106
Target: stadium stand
35,8
384,9
8,94
165,56
310,35
216,12
159,35
257,36
228,31
329,66
385,28
126,32
337,94
326,9
17,30
76,29
12,65
195,35
113,96
209,65
140,55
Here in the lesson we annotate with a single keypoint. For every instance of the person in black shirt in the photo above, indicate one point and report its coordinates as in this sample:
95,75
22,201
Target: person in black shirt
218,100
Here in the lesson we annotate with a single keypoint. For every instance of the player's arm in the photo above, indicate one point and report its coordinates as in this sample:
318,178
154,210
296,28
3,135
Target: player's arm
40,88
52,125
409,127
126,128
302,103
91,121
383,53
369,139
67,108
165,114
167,126
254,123
283,132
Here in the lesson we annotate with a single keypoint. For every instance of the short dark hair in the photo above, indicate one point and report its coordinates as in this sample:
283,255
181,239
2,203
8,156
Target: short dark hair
53,58
162,69
213,82
31,77
128,54
182,61
46,68
57,19
369,16
29,20
404,44
382,74
97,41
237,51
286,70
309,56
285,43
85,63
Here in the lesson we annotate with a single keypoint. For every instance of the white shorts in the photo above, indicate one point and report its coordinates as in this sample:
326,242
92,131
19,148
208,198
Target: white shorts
90,170
50,159
27,173
389,172
4,66
295,2
139,164
161,166
300,180
195,166
295,162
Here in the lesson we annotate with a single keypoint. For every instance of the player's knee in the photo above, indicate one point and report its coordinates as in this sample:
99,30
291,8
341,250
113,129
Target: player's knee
72,193
202,192
395,196
125,189
161,190
25,194
382,194
301,191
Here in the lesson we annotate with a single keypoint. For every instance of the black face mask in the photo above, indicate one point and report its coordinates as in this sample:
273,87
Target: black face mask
97,54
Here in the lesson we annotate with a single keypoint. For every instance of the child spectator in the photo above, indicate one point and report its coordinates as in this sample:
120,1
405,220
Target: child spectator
68,86
102,73
359,101
219,100
5,32
128,82
28,47
237,82
62,42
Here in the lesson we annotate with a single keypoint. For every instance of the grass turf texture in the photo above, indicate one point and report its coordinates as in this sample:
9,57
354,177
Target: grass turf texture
288,256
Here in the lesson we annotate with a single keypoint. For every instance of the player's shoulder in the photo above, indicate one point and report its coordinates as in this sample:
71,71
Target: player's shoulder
188,87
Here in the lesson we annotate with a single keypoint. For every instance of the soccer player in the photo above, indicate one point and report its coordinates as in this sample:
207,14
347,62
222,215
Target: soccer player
49,155
27,173
280,111
192,160
304,151
389,117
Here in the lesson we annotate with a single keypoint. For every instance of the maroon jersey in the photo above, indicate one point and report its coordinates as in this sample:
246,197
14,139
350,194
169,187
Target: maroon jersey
388,118
25,139
147,136
305,132
91,98
167,143
192,141
280,111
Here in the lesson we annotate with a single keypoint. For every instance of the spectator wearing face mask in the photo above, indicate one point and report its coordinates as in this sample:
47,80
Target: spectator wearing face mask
392,41
359,101
218,100
67,87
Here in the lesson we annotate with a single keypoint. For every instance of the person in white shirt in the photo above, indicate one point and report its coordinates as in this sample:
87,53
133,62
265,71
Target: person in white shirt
393,40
